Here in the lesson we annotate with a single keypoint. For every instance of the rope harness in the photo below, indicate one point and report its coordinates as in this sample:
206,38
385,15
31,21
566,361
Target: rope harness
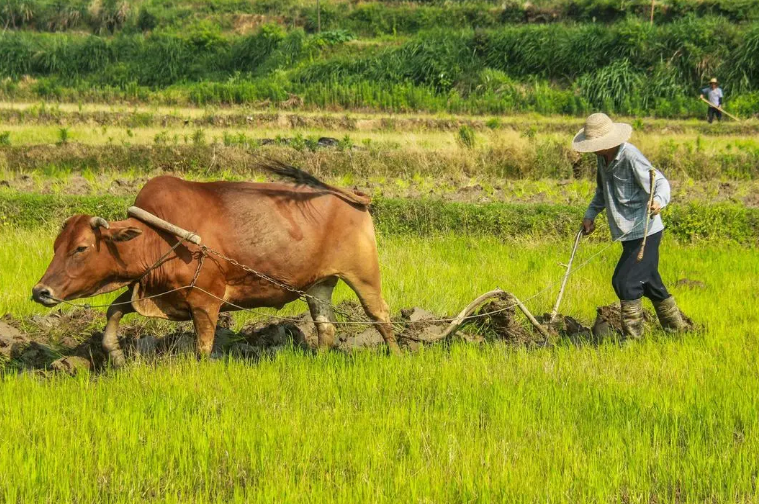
204,251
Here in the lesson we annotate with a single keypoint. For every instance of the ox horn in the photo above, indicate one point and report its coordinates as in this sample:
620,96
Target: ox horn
97,222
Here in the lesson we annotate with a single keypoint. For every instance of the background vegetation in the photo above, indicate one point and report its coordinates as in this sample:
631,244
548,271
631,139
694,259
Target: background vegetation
487,59
365,18
464,203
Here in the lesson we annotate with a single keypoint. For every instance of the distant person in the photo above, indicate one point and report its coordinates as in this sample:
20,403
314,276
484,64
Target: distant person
713,94
623,188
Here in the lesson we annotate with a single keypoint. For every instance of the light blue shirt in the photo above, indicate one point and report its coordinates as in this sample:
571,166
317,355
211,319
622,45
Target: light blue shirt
713,96
623,189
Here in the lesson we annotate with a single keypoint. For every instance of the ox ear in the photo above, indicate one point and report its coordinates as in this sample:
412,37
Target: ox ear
121,234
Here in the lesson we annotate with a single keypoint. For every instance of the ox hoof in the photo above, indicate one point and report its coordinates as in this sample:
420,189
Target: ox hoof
117,358
394,349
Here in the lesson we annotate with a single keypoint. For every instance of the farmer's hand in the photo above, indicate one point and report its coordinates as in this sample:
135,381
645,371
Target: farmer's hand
655,208
588,226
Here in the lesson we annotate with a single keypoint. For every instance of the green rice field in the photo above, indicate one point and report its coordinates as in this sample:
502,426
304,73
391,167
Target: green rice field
462,205
672,418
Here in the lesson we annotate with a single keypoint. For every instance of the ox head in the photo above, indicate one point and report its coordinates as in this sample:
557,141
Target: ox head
86,261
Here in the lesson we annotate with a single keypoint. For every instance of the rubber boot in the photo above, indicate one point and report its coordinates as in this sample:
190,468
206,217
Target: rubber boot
669,315
632,318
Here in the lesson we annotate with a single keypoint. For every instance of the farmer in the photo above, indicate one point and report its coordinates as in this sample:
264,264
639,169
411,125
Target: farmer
714,96
623,188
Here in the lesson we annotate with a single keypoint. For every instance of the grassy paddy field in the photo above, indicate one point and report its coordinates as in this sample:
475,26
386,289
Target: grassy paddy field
668,419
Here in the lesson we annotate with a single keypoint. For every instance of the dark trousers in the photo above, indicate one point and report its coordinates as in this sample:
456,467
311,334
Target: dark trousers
713,112
632,279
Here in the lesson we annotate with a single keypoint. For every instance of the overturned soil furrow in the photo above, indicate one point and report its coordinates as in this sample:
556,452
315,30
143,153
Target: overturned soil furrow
71,341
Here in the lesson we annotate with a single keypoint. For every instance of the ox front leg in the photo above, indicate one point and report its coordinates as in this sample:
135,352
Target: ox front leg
205,319
120,307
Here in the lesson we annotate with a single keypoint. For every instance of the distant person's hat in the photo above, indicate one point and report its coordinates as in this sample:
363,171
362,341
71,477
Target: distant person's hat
713,81
600,133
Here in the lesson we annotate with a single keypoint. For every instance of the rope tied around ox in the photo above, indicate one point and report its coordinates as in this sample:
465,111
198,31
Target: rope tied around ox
187,237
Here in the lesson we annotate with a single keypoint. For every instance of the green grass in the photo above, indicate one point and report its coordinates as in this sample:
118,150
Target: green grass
671,419
444,273
425,217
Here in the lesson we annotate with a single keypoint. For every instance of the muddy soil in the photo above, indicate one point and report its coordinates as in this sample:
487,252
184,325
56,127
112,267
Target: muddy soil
70,342
688,283
608,323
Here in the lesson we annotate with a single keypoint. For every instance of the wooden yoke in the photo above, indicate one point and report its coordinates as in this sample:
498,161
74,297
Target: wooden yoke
149,218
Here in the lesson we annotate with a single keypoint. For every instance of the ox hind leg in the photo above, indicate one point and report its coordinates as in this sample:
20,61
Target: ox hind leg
367,285
120,307
320,305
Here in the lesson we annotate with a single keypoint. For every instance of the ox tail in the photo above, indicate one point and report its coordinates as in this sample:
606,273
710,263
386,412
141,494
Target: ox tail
299,177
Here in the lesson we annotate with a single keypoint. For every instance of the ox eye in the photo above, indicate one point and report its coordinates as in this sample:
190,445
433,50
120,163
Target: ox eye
80,249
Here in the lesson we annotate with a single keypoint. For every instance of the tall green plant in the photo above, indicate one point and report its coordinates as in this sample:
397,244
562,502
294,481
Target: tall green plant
612,87
466,137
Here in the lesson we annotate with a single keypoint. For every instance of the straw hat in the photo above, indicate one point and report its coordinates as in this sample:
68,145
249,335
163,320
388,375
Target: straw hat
713,81
600,133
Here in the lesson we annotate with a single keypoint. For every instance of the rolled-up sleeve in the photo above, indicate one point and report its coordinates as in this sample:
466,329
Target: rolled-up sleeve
598,203
662,192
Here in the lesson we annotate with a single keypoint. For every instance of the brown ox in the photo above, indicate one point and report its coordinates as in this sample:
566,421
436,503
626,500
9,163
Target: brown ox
307,236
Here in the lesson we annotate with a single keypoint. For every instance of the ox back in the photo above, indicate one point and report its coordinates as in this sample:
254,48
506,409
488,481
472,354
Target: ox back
298,235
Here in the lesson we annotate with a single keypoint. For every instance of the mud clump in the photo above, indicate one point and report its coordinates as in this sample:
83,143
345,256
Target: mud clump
419,326
12,342
608,322
70,342
71,365
564,326
46,342
498,318
690,284
267,336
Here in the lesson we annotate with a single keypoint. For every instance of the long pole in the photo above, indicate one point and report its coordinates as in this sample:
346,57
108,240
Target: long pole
566,277
318,17
652,11
718,108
